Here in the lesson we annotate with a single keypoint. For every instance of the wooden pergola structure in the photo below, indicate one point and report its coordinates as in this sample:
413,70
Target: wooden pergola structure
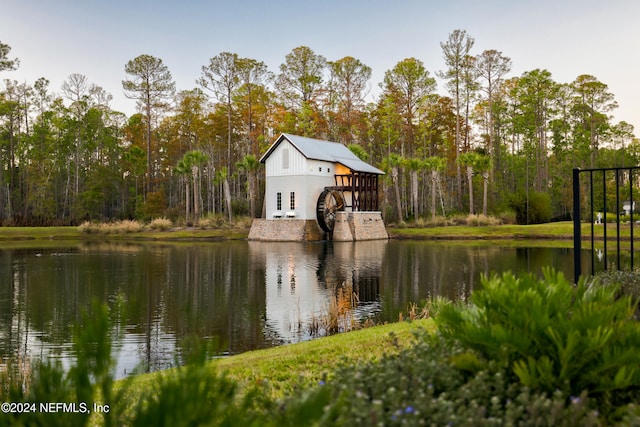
363,187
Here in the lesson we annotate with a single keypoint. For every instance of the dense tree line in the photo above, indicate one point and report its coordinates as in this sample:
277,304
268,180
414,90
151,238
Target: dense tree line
492,142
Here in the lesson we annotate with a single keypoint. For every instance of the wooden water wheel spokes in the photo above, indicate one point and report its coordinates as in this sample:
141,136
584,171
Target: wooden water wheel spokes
329,202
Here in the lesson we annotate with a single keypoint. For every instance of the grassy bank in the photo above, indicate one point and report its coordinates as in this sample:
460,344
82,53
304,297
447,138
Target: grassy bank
281,370
552,231
38,233
12,234
561,230
306,363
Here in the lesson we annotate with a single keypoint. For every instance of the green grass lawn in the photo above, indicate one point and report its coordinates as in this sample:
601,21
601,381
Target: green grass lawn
8,234
281,370
38,233
550,231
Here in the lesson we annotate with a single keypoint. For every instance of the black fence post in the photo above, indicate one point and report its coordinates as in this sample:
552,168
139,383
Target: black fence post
633,205
602,218
577,232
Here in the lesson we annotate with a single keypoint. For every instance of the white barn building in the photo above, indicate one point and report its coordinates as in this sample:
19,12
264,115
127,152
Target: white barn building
311,186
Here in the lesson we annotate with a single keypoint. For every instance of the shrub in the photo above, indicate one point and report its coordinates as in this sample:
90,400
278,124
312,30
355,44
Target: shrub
535,210
90,377
243,222
507,217
438,221
418,386
154,206
212,221
89,227
482,220
457,220
190,395
240,206
627,282
118,227
160,224
194,395
628,218
126,226
550,335
526,352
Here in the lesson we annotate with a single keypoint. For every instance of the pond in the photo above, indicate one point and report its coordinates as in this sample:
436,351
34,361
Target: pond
240,295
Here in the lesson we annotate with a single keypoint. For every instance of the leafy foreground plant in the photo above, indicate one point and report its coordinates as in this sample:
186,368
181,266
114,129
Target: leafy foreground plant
189,395
551,336
193,395
77,389
627,281
419,386
526,352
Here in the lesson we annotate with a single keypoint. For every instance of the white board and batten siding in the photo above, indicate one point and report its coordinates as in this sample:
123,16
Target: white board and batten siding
304,167
289,171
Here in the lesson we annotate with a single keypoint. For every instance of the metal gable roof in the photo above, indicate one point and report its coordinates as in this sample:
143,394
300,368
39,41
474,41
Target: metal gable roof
317,149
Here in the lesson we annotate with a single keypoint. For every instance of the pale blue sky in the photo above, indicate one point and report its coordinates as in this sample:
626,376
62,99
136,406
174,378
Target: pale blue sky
54,39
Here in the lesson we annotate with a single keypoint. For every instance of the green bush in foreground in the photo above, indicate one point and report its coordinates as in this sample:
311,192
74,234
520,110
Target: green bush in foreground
420,386
525,352
191,395
627,282
194,396
551,336
79,387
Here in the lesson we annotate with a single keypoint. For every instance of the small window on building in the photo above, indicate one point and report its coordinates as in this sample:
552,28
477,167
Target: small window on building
285,158
292,200
279,201
320,169
328,170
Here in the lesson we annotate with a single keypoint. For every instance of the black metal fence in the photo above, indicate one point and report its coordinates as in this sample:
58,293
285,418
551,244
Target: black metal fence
599,194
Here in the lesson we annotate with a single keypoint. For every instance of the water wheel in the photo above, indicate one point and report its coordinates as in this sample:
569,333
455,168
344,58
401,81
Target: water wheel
329,202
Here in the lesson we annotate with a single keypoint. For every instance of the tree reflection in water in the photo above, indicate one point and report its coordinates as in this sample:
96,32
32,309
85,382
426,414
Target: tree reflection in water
238,295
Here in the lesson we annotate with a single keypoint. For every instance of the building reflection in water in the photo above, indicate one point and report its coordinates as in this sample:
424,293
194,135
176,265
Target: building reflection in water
237,295
302,278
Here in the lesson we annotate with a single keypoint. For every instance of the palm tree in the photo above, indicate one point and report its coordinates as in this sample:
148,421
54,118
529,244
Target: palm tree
392,163
467,159
250,165
223,176
435,165
414,165
196,159
484,165
476,162
183,169
190,166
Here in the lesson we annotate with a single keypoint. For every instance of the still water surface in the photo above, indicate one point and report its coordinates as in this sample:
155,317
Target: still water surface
241,295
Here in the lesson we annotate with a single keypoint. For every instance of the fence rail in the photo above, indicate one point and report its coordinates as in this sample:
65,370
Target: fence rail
596,191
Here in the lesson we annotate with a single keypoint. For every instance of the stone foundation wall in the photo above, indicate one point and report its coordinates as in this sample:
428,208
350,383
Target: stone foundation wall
356,226
348,227
286,230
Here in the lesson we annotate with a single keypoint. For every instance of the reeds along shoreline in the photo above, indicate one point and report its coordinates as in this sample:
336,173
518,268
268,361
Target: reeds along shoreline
15,373
340,315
